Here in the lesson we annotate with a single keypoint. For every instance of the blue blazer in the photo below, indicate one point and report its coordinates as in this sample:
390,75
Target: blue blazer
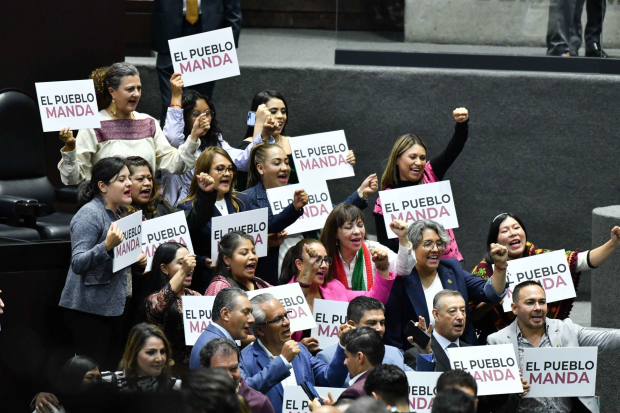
407,301
267,268
265,376
211,333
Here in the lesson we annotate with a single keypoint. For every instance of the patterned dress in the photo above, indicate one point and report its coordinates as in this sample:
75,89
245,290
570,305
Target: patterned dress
162,312
496,319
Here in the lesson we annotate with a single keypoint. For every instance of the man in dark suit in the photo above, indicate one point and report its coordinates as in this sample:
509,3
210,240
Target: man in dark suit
223,353
449,313
364,350
179,18
275,360
231,319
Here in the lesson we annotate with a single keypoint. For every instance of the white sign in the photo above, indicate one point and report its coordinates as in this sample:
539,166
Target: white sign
495,369
560,372
168,228
429,201
315,212
328,315
205,57
422,390
295,400
196,316
128,251
550,269
70,104
294,301
253,222
322,156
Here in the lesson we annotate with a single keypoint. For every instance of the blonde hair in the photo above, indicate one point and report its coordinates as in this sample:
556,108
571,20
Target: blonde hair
390,175
138,336
203,164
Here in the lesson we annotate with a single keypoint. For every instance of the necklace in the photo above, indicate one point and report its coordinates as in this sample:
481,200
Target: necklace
429,284
278,141
220,204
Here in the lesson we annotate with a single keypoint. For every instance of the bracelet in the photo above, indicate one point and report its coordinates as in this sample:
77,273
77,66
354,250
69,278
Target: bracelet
383,268
174,105
361,195
497,267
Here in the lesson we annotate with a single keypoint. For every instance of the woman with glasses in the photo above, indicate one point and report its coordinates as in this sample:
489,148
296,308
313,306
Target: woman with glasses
408,165
270,168
508,230
308,264
344,238
412,296
182,120
236,265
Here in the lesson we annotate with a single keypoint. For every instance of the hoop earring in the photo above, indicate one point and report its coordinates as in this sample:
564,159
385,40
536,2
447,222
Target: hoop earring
113,106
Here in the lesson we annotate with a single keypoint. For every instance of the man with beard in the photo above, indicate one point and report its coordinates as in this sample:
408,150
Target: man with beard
532,329
223,353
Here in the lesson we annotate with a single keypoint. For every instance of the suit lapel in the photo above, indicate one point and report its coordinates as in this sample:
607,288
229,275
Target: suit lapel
443,362
448,280
415,292
263,361
511,333
555,337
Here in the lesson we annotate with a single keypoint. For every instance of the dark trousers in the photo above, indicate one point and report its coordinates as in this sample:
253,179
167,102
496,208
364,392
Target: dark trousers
165,71
96,336
564,29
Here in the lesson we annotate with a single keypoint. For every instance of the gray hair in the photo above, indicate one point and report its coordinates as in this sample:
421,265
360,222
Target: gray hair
437,301
226,298
258,313
117,72
416,230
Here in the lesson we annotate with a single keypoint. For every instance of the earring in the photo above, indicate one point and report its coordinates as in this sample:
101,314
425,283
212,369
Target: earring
113,106
227,268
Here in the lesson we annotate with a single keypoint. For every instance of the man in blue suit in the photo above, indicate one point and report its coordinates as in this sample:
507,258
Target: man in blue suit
274,359
231,319
370,312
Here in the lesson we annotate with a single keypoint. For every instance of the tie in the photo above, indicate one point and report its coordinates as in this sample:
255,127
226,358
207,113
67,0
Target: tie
453,345
191,11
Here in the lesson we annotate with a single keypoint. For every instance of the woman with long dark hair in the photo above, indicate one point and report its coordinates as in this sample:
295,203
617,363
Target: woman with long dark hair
236,265
509,230
123,131
94,296
408,165
171,273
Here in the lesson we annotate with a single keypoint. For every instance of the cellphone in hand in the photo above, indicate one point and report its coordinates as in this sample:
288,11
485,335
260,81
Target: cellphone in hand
420,337
251,118
310,391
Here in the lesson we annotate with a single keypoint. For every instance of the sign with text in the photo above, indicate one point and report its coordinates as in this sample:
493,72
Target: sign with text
321,156
253,222
168,228
422,390
495,369
205,57
128,251
429,201
295,400
294,301
196,316
550,270
328,315
70,104
560,372
315,212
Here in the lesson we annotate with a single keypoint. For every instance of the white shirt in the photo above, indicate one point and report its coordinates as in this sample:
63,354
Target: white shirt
221,206
400,264
223,330
354,379
290,380
444,342
429,294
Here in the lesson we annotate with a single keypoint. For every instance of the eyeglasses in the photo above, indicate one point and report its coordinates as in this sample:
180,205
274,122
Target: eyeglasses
321,260
276,321
207,112
222,171
429,245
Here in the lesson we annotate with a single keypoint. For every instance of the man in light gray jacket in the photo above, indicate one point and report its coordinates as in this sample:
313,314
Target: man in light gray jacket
532,329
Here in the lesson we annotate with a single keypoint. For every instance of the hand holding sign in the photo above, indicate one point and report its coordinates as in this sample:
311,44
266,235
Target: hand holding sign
460,115
66,136
176,85
526,385
142,260
114,237
205,182
275,240
300,199
370,185
499,255
351,158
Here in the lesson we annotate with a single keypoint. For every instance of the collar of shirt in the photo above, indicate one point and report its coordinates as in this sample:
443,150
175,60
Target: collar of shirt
443,342
520,335
354,379
223,330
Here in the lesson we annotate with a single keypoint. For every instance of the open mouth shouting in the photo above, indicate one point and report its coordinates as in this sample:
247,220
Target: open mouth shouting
224,184
250,268
283,177
458,327
356,241
127,193
432,258
133,101
286,333
537,318
145,194
320,274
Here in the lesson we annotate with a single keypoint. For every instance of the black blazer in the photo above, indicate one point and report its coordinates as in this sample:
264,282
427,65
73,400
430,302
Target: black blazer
215,14
442,362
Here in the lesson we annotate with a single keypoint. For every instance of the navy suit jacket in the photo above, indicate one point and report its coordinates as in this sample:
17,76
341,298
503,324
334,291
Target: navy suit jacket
209,334
168,20
407,301
265,376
